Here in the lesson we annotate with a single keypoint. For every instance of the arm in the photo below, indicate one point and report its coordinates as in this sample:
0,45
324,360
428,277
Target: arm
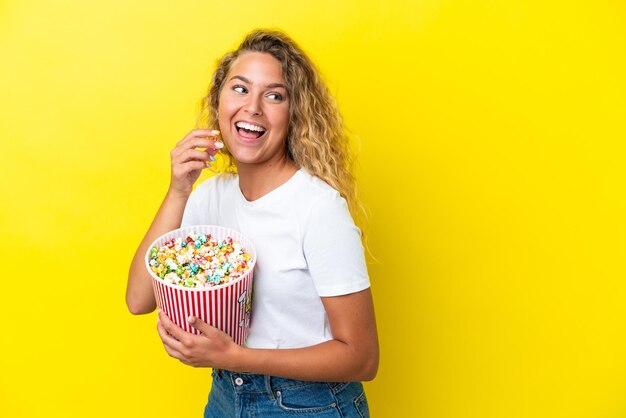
139,293
187,164
352,355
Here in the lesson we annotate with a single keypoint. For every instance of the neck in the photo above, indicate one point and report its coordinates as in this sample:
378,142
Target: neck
256,180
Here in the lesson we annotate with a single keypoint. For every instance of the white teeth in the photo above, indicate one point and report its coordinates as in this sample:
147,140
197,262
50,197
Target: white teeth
250,127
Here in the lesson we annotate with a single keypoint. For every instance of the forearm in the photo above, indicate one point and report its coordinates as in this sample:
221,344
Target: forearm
139,293
351,356
331,361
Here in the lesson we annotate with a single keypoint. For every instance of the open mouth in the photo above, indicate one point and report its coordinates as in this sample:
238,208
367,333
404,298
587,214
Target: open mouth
250,131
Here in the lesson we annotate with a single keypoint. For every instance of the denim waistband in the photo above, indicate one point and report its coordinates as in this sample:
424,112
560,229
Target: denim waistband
258,383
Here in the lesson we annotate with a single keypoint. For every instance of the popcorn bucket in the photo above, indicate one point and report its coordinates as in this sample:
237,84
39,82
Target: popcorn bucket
226,307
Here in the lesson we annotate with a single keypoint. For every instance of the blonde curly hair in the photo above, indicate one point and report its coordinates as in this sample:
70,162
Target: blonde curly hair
316,140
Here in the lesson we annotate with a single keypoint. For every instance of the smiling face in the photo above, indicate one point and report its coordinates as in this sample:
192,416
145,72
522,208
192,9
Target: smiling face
254,110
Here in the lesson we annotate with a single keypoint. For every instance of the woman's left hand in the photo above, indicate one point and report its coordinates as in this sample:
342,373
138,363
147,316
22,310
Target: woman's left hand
212,348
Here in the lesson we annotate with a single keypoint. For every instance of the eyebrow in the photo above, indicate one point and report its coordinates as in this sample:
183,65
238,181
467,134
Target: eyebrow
270,86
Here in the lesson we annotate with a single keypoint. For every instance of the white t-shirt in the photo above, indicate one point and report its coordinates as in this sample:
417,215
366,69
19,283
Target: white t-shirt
307,247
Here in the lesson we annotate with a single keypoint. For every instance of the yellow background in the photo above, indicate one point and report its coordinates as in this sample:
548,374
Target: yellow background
492,160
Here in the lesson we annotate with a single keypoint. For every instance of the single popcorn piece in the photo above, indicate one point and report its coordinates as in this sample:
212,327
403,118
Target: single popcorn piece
199,261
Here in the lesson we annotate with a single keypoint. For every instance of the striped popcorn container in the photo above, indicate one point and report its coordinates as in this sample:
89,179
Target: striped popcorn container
226,307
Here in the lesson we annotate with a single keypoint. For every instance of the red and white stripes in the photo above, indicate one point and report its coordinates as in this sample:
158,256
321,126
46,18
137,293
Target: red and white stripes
226,307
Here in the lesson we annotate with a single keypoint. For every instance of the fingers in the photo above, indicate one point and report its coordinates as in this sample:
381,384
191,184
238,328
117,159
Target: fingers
198,148
172,352
200,325
192,155
213,144
172,333
173,347
181,350
198,134
177,355
194,350
191,166
218,338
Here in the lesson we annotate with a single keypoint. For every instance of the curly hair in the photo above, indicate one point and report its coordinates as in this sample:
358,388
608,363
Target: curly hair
316,140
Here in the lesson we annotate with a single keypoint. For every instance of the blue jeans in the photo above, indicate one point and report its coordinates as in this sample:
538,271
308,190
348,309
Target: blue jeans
248,395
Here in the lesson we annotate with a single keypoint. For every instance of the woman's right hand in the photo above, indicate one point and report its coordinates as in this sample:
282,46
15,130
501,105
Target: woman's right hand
190,156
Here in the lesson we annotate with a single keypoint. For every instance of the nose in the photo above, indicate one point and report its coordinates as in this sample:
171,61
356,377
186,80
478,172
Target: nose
253,106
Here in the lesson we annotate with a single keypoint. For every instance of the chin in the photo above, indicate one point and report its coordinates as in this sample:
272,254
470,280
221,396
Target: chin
245,157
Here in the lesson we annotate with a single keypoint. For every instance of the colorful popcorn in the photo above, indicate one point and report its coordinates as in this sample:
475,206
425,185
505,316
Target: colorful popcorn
199,261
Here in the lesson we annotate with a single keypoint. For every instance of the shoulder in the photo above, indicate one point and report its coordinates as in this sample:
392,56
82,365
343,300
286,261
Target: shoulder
315,190
323,203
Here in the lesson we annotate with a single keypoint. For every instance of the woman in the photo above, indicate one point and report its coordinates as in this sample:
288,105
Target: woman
313,319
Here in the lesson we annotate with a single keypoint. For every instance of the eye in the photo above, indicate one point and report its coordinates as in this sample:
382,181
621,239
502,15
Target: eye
240,89
275,96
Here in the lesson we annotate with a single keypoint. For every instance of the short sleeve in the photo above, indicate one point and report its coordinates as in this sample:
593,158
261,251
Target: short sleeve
196,208
190,215
333,248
